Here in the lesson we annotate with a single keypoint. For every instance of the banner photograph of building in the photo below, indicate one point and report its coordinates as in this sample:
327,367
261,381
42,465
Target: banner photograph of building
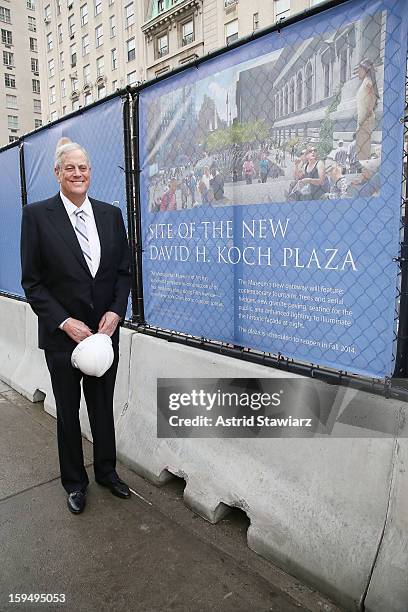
303,122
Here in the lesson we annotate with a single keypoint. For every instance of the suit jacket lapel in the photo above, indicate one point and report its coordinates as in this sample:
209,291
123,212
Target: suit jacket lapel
102,225
64,227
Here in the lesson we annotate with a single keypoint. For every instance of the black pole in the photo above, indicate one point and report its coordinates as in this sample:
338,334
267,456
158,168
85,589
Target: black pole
401,359
23,183
129,173
138,304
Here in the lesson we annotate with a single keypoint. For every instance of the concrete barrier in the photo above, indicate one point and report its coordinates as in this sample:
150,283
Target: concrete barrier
32,378
12,338
316,507
389,584
332,511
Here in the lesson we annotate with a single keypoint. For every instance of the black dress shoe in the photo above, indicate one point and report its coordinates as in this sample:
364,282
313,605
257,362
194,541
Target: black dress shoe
117,487
76,502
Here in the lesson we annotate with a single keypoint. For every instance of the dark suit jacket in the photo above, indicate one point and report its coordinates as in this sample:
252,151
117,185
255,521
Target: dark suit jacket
55,276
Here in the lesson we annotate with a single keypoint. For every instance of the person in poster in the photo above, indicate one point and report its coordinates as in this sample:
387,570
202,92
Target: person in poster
367,100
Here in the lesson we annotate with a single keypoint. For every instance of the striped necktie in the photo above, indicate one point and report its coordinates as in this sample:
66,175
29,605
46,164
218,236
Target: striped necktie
82,235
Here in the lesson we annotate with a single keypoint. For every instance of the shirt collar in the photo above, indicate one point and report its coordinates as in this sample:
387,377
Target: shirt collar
86,206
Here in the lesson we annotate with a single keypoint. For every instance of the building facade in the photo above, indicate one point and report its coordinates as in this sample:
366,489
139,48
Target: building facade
20,88
90,48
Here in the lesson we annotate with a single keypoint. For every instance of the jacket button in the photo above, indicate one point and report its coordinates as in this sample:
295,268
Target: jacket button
91,305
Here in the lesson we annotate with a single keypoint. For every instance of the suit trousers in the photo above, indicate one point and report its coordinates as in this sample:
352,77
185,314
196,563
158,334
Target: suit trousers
98,392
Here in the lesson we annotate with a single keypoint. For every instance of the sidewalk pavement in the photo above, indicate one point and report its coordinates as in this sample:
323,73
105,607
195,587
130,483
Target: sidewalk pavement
147,554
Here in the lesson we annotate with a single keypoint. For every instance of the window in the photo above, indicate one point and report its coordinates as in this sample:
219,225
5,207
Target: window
72,51
101,91
8,58
5,15
37,123
309,84
231,31
75,104
31,5
10,81
64,110
299,91
47,13
53,116
37,106
111,2
63,88
343,66
58,3
33,44
84,14
13,139
12,122
36,86
98,7
6,37
50,45
255,21
87,74
160,6
326,78
129,15
100,66
282,9
114,85
11,101
114,59
61,60
292,96
112,26
34,64
59,29
162,45
51,67
85,44
99,35
71,25
88,97
130,49
74,84
187,33
53,95
131,78
32,25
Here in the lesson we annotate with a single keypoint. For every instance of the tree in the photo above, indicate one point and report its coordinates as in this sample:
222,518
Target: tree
325,144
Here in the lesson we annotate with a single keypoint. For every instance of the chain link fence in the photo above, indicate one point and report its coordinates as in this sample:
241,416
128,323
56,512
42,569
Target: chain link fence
262,192
270,193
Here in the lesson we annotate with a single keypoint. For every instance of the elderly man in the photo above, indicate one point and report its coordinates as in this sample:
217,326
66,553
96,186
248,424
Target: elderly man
75,274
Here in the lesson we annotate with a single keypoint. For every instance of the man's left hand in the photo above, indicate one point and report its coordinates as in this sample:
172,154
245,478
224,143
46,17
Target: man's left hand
108,323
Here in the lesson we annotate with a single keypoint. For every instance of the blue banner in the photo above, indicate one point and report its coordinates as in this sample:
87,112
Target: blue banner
271,191
10,220
99,130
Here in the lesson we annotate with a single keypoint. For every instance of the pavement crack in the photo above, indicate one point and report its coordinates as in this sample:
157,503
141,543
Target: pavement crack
386,518
39,484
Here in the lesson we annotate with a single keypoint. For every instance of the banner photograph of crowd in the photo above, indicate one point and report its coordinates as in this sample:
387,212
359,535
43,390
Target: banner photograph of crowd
301,123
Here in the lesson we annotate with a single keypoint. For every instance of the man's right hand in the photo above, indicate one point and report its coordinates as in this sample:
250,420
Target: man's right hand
76,330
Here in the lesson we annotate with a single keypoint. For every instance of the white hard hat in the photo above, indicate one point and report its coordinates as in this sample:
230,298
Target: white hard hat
94,355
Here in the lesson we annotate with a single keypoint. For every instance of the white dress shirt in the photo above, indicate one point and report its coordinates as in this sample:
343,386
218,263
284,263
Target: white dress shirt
91,230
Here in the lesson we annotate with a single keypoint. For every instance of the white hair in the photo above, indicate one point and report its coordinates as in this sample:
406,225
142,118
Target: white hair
67,148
